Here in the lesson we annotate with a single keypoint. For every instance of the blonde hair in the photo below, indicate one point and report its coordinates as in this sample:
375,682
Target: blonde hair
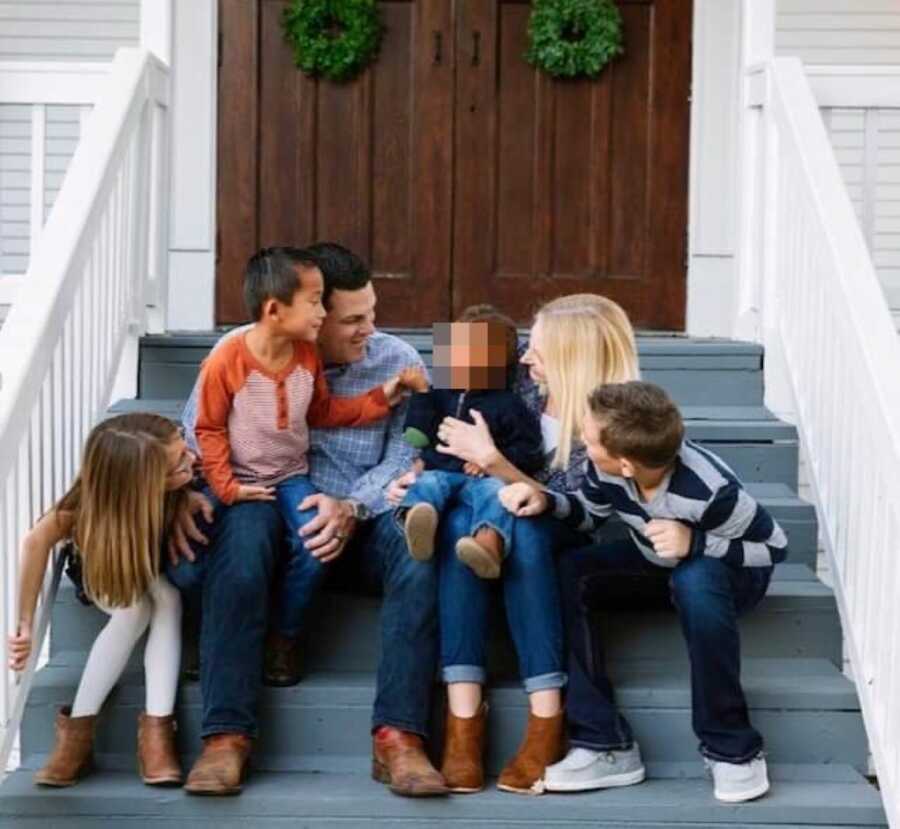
120,506
587,341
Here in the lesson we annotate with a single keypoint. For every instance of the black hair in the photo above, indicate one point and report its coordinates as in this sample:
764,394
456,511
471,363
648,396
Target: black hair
271,273
342,270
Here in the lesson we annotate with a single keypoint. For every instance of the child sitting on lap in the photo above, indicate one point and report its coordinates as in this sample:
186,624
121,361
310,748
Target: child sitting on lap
473,359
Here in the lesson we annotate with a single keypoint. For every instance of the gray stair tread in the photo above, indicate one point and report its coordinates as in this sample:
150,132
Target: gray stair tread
301,797
770,684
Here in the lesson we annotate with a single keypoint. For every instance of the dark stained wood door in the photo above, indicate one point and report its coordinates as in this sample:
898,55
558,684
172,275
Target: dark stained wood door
367,163
570,186
459,172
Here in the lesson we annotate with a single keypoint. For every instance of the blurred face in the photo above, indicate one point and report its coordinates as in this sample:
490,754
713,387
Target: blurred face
470,355
349,324
596,451
181,464
302,319
533,357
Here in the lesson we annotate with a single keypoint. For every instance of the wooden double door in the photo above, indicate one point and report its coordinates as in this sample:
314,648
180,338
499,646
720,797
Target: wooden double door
459,172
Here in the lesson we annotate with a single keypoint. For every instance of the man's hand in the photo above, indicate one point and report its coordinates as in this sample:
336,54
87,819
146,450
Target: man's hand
184,526
473,469
328,533
670,539
524,500
19,647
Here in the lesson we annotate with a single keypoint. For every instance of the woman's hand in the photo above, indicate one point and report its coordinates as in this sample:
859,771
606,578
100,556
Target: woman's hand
523,500
470,442
20,647
473,470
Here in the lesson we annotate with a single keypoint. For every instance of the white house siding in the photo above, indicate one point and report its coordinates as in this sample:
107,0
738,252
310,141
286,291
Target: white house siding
839,31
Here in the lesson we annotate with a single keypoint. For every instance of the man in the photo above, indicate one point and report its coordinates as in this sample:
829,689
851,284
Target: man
353,523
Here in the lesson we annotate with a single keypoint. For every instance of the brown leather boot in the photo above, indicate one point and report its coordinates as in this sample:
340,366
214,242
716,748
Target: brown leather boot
482,553
399,759
73,754
222,766
463,763
281,666
156,755
542,746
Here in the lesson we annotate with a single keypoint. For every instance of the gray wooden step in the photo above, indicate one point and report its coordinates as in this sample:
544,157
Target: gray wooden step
805,709
797,618
811,797
696,372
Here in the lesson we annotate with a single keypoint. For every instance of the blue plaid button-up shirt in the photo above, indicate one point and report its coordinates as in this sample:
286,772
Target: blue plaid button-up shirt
357,462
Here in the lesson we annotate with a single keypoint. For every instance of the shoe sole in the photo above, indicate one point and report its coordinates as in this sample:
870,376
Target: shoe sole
64,784
743,796
162,781
381,774
631,778
419,527
477,559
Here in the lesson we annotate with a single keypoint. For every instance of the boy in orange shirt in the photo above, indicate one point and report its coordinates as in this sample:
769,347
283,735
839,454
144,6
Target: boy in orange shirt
260,391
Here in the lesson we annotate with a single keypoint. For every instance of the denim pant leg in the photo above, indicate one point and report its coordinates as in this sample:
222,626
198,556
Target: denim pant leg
409,622
239,568
709,596
301,574
531,596
589,576
437,487
464,600
481,495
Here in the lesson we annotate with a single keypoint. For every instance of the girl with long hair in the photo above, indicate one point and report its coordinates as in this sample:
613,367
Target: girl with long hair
117,515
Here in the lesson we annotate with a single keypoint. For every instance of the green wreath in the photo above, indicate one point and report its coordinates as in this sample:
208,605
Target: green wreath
574,38
334,39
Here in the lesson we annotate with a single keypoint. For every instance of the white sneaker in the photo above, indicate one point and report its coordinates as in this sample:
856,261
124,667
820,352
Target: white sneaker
737,782
583,769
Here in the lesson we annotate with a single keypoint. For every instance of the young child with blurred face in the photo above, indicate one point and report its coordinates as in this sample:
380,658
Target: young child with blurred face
473,359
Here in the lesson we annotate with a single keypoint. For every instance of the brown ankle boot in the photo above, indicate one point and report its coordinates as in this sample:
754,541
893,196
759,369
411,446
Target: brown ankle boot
156,755
463,764
399,759
222,766
73,754
482,554
542,746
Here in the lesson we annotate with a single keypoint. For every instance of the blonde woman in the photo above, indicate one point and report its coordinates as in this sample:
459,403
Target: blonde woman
576,342
117,515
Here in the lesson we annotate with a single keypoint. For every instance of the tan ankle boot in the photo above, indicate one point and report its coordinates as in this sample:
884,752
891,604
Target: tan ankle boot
156,755
483,553
222,766
463,764
542,746
73,754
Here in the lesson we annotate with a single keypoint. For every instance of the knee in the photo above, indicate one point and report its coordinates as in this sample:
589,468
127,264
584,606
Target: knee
166,598
700,585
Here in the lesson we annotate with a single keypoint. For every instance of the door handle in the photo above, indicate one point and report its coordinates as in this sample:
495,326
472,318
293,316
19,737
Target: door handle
476,48
438,48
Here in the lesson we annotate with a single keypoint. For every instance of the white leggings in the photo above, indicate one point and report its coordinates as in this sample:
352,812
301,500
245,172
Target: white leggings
160,607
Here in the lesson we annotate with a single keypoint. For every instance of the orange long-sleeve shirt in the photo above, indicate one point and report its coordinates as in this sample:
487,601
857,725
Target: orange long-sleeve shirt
253,424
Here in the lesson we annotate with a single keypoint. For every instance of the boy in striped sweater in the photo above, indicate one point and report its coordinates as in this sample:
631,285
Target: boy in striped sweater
696,535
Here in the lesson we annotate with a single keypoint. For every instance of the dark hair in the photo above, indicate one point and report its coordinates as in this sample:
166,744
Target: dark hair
488,313
341,269
272,274
638,421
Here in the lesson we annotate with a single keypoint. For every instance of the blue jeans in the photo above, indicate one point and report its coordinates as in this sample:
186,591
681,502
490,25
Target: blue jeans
530,593
442,489
233,576
300,574
708,596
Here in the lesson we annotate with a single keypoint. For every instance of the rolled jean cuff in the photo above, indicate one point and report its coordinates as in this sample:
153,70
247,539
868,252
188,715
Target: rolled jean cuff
545,682
464,673
212,730
401,725
615,746
721,758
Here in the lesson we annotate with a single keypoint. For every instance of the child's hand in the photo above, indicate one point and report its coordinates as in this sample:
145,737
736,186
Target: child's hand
399,387
20,647
473,469
246,492
670,539
524,500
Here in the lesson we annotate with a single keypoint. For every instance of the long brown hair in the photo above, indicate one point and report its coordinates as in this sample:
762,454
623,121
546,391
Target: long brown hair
120,505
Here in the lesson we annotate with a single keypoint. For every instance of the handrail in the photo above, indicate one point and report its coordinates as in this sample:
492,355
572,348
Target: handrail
83,299
828,333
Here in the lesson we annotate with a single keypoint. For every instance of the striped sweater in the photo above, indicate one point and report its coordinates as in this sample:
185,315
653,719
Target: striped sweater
700,491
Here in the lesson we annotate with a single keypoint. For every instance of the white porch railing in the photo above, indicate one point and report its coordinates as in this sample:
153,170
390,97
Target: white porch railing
92,273
832,358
